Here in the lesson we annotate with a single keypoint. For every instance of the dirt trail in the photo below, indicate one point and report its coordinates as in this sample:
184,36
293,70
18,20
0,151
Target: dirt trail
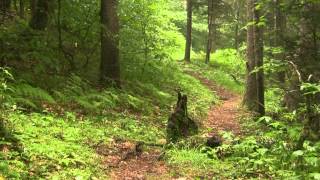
223,117
147,165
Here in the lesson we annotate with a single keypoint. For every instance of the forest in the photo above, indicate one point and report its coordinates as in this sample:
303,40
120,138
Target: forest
159,89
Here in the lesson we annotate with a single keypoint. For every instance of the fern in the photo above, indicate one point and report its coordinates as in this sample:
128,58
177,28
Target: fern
84,103
104,100
25,102
29,96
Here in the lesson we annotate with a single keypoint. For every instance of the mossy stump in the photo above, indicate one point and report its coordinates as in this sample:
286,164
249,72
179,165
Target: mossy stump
180,125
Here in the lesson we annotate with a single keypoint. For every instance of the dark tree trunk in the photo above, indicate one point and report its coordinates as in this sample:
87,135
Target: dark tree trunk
250,97
258,51
210,29
179,124
110,65
5,6
21,9
33,6
309,65
187,55
307,61
280,25
39,19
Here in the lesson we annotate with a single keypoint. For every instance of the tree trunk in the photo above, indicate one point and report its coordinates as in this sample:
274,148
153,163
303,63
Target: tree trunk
236,29
110,65
5,6
280,25
210,30
258,53
33,6
21,9
39,19
189,32
250,97
308,63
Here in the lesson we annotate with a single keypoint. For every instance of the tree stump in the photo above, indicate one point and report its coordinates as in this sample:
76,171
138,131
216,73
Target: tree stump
180,125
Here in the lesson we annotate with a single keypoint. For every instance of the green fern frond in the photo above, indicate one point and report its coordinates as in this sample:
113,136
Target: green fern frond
85,104
24,102
33,93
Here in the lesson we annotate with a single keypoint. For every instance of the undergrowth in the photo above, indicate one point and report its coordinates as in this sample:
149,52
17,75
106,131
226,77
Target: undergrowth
57,129
226,68
268,147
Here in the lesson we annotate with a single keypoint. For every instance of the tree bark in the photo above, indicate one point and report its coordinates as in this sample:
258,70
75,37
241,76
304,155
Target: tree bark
33,6
39,19
21,9
110,65
189,32
236,29
5,6
258,53
250,97
210,29
279,27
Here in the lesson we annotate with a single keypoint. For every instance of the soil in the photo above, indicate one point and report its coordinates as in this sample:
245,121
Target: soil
124,164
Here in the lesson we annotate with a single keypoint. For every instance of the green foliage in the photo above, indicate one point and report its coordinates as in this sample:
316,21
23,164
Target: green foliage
5,75
227,69
148,31
54,147
29,96
274,99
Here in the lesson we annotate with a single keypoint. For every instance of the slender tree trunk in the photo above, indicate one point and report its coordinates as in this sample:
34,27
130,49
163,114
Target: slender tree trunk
280,25
110,65
33,6
250,97
210,30
189,32
236,30
21,9
15,6
39,19
258,51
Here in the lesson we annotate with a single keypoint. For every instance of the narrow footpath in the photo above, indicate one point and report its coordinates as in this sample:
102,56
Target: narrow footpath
221,117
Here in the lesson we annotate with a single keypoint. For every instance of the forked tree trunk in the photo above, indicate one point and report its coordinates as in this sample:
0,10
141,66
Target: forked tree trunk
110,66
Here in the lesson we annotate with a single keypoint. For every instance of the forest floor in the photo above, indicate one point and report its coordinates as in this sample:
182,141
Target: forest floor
125,164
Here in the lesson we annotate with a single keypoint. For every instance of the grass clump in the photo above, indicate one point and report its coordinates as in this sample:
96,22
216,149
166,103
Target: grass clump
194,162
